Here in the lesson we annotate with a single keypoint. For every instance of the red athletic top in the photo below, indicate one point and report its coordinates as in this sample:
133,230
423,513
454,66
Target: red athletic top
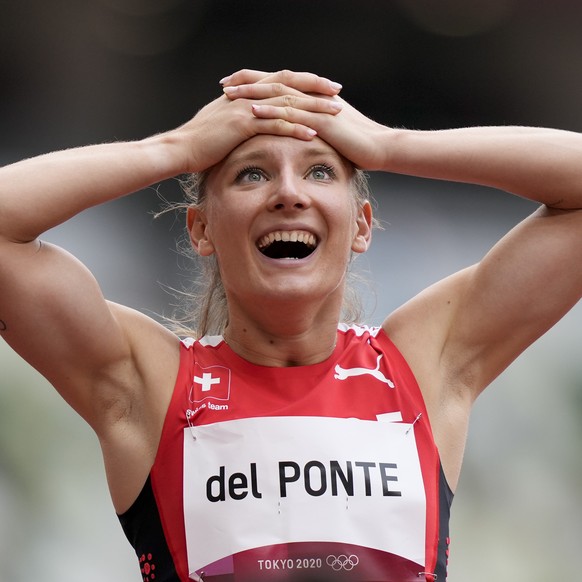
318,472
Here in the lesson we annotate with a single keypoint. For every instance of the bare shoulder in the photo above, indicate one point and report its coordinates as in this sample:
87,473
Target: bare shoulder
421,326
462,332
133,414
419,329
470,326
145,378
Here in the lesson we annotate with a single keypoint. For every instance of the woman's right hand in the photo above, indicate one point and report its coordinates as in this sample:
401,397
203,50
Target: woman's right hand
225,123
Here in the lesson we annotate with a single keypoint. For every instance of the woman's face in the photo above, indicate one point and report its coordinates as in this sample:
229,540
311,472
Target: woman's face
282,220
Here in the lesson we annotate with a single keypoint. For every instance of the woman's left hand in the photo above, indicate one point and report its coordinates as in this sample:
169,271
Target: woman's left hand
350,132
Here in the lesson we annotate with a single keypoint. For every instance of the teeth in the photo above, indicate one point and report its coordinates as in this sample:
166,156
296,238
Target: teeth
288,236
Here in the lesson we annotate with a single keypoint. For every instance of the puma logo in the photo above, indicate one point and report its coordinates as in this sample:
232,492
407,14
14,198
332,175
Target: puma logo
344,373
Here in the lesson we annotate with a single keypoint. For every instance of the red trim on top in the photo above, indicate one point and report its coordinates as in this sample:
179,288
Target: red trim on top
169,467
430,460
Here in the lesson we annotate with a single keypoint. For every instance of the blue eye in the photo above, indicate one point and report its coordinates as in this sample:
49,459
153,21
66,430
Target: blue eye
321,172
250,174
254,176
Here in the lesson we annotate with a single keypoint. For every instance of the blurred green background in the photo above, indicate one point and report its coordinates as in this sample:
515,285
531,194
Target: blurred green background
73,73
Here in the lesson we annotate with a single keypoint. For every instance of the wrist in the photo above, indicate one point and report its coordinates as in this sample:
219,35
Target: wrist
393,145
165,154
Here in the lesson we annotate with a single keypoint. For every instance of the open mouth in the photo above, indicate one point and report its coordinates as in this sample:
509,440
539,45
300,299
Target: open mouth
287,244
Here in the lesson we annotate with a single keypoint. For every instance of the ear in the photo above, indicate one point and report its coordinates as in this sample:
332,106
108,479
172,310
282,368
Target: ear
363,235
198,231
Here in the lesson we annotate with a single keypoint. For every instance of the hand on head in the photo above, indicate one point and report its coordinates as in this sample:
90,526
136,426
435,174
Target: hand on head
231,119
305,101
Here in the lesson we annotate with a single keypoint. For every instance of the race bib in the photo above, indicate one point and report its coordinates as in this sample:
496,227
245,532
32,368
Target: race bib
271,497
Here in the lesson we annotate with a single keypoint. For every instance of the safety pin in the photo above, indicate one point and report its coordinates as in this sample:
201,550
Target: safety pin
415,421
189,415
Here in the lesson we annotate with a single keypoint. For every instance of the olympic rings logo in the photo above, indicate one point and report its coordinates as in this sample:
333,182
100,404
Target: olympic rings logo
342,562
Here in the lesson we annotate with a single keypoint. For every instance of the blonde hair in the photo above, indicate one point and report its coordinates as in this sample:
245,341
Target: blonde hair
204,307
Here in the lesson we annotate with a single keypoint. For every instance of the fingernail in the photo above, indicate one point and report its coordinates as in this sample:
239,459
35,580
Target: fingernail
256,108
225,80
336,105
230,90
311,132
335,86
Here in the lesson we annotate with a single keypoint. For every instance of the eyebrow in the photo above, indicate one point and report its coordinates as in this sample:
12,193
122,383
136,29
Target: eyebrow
260,155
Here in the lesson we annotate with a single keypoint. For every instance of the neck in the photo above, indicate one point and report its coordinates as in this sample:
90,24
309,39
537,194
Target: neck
282,338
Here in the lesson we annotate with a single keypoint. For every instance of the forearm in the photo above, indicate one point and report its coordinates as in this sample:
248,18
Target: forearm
40,193
540,164
543,165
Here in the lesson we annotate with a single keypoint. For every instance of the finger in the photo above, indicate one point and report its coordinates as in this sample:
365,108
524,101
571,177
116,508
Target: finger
259,91
295,101
244,76
311,103
290,114
284,128
304,82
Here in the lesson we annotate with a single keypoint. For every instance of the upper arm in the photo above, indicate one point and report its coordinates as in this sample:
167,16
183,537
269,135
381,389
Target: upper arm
57,319
463,331
521,288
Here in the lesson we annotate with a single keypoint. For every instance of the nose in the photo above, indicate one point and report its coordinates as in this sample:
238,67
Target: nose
288,194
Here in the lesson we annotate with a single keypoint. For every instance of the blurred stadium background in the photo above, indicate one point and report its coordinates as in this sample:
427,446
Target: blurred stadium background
73,73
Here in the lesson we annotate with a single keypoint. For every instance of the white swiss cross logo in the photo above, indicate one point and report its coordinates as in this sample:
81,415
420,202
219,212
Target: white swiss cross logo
210,382
207,381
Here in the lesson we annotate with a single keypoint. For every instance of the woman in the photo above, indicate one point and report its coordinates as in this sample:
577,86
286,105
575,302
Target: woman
288,444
